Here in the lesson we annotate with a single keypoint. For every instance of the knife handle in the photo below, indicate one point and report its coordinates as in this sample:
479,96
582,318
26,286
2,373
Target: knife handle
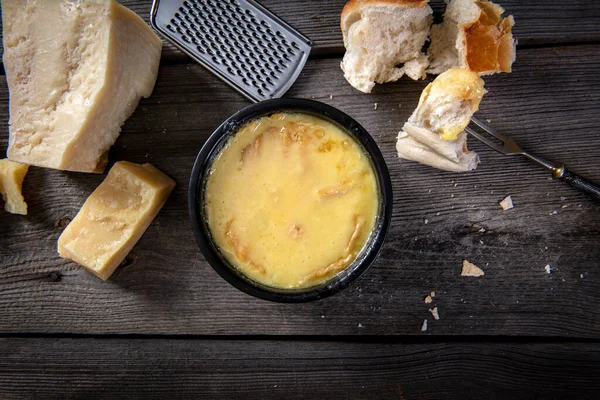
577,182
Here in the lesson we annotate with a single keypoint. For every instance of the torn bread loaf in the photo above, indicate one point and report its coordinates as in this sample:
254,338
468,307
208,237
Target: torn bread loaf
473,36
383,40
76,71
434,134
12,175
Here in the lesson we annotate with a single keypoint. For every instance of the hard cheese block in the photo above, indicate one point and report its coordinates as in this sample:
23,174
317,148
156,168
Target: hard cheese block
76,71
11,181
114,217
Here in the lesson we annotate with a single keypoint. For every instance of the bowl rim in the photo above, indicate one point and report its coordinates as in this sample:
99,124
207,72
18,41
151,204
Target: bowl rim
204,161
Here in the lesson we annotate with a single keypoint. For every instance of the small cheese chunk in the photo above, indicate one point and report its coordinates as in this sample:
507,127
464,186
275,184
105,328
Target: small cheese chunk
11,180
114,217
76,71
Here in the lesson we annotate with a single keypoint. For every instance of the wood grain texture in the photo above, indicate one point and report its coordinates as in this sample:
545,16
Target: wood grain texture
549,104
537,22
232,369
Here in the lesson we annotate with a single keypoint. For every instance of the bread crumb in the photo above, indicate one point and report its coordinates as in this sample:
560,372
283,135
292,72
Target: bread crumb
470,269
432,294
374,106
425,221
581,276
506,203
482,230
553,212
360,325
428,299
424,326
489,121
434,312
548,269
564,206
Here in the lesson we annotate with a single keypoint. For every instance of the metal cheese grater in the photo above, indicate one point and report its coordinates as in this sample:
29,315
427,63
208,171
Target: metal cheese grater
240,41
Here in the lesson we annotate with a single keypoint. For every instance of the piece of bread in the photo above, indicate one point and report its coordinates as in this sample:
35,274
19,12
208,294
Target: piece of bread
383,40
473,36
434,134
76,71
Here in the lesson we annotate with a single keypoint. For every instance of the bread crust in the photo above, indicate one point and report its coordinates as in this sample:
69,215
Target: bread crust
488,42
351,11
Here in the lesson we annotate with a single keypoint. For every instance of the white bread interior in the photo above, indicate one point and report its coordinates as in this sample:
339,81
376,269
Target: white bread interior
434,134
473,36
383,40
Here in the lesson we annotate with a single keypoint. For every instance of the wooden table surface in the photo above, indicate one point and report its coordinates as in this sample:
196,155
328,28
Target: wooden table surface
166,325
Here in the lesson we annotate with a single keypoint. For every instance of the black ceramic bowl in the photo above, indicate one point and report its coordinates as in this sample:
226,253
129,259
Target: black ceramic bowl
213,147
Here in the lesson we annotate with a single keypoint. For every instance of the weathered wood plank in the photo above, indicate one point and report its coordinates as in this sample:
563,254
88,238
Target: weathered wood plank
539,22
231,369
549,104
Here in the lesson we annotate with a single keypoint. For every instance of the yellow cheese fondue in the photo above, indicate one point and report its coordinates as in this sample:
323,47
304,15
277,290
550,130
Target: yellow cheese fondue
291,200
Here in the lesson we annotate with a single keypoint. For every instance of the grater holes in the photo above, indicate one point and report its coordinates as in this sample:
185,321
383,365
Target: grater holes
237,41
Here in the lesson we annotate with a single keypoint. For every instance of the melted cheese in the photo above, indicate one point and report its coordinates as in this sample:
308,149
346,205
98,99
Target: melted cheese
114,217
291,200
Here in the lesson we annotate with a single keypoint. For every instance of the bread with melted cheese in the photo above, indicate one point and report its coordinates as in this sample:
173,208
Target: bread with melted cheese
434,134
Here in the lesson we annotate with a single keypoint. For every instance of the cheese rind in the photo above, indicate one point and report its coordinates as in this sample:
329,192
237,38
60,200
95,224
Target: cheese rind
11,181
114,217
76,71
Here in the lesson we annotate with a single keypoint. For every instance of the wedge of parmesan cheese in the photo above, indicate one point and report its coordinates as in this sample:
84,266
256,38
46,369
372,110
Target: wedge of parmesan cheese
115,217
11,181
76,71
